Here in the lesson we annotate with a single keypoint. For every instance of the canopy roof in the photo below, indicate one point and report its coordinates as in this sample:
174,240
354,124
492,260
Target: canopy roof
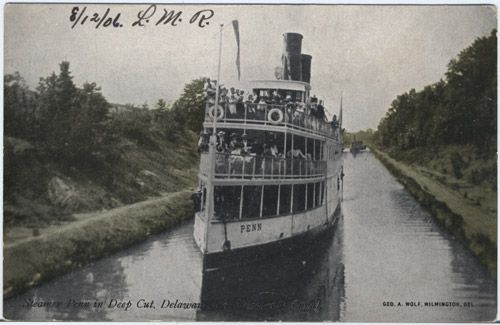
280,84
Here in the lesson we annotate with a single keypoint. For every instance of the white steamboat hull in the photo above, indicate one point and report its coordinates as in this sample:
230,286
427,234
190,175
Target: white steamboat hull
236,243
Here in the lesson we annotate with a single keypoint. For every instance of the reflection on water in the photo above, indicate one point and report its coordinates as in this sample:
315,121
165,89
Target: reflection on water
384,249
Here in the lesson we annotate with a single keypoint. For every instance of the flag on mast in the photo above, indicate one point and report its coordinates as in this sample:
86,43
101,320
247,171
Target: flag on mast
237,34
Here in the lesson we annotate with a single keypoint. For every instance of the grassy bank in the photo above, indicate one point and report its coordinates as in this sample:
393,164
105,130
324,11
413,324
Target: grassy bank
59,249
466,211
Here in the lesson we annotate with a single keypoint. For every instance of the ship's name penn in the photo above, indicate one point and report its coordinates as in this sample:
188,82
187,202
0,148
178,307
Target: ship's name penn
251,227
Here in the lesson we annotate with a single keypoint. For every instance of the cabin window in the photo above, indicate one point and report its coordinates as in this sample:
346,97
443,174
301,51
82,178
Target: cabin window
251,202
227,202
285,193
310,196
317,198
322,193
299,197
317,150
270,200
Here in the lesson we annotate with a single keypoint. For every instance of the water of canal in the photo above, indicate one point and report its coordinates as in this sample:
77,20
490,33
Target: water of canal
383,252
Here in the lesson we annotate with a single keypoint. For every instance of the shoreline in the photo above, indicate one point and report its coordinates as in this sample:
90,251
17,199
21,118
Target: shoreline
30,262
444,211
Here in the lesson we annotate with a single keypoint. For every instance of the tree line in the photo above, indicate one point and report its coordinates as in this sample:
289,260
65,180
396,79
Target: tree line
78,127
461,109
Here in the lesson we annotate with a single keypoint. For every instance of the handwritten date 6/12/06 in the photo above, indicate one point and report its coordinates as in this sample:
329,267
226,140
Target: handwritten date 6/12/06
149,16
80,16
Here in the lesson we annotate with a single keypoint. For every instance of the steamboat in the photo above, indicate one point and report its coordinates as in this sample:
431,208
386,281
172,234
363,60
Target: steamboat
270,175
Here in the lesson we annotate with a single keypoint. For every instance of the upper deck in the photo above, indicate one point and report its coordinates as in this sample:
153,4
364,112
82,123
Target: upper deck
278,105
271,116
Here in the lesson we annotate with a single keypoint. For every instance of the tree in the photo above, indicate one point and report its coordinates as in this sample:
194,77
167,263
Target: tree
19,108
458,110
87,134
161,105
189,109
57,102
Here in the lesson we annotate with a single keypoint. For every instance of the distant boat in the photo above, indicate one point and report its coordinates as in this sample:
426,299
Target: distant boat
357,146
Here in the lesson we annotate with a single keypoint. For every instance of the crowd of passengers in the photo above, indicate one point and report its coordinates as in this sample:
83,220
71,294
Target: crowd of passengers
240,144
254,106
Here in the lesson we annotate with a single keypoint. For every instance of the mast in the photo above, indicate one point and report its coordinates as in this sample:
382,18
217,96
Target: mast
213,140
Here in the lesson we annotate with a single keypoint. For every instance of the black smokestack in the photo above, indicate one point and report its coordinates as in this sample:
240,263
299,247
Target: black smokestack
306,67
292,59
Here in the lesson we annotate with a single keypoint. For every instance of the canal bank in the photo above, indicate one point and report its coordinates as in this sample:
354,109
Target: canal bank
470,223
59,250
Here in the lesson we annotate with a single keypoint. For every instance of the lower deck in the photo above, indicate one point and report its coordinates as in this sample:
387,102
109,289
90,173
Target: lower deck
232,234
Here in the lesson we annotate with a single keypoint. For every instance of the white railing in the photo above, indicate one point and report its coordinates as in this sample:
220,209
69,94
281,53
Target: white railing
272,114
259,167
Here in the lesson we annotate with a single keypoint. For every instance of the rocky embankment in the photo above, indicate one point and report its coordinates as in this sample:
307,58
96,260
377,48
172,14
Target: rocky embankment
470,220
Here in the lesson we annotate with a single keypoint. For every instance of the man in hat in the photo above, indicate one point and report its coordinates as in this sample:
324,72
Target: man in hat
234,141
221,142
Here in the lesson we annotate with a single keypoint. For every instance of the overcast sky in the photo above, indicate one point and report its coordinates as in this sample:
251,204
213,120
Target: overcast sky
371,54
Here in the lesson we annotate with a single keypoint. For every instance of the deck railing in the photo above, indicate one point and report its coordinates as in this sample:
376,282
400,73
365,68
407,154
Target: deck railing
271,114
259,167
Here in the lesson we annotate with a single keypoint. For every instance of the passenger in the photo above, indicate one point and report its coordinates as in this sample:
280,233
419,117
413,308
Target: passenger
256,97
314,110
240,106
208,89
249,107
235,141
232,104
335,123
207,84
261,109
274,150
290,108
295,153
276,97
223,98
269,97
321,111
246,148
299,114
222,146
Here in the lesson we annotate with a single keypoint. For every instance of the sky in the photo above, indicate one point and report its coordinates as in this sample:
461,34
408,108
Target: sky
369,54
